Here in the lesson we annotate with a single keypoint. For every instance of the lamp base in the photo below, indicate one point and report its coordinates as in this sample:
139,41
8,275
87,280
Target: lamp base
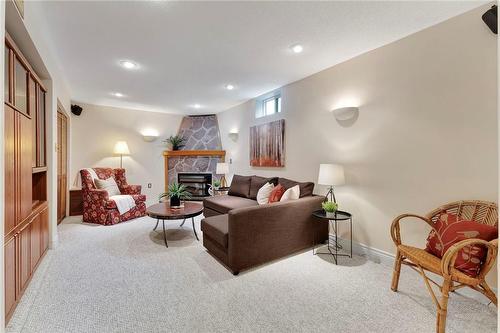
223,182
331,194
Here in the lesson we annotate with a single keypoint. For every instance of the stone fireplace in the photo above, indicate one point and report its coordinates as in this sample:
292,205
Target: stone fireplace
202,150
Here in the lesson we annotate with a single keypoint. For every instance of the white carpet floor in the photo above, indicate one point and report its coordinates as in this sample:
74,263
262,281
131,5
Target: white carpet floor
122,279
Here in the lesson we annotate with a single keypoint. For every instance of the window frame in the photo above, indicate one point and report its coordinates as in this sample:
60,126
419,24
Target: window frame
261,109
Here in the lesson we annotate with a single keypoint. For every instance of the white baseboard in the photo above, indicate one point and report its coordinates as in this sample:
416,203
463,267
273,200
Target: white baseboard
53,244
374,254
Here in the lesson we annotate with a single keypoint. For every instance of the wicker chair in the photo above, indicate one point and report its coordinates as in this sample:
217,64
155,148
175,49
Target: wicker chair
453,279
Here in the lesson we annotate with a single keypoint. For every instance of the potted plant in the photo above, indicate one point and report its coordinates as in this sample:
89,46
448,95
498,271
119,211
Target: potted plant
176,141
330,208
175,193
216,184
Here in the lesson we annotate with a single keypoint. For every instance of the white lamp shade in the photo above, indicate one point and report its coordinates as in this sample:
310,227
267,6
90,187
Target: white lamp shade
222,168
331,174
121,148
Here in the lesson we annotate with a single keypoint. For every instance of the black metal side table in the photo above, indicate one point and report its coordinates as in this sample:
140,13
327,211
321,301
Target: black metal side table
334,248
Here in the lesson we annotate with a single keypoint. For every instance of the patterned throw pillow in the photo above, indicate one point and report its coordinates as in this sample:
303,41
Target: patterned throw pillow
451,230
276,193
108,185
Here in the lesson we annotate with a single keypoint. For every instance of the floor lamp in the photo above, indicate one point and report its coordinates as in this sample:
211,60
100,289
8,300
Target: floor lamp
121,148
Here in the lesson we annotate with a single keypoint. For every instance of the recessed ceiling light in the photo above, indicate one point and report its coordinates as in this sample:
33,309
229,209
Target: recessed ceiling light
128,64
117,94
297,48
229,87
196,106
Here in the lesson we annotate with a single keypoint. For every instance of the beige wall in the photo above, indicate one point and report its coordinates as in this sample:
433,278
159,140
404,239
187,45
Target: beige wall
96,130
426,132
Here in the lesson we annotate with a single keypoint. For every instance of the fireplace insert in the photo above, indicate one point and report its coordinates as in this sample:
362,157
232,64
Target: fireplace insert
196,183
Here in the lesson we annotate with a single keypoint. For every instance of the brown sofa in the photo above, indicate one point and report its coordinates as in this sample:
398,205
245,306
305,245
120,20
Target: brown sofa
241,233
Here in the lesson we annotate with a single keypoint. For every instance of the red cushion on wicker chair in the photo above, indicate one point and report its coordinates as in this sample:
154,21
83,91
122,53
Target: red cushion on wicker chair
451,230
276,193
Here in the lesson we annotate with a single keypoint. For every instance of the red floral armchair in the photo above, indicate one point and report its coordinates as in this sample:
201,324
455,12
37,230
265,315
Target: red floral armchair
97,208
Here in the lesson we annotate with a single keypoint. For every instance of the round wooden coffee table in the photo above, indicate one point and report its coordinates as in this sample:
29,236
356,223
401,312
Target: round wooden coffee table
162,211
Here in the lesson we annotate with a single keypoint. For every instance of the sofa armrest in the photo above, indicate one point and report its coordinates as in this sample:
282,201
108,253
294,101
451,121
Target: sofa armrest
97,196
262,233
130,189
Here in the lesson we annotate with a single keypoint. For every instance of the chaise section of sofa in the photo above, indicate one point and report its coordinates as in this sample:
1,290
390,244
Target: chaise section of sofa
256,234
222,204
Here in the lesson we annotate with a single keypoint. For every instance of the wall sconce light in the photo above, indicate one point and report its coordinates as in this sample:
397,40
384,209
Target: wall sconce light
233,135
347,113
149,135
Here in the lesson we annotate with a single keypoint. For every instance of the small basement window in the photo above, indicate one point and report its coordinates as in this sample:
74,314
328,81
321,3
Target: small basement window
268,106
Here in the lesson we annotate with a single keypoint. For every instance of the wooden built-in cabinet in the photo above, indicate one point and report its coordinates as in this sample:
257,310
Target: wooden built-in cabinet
26,228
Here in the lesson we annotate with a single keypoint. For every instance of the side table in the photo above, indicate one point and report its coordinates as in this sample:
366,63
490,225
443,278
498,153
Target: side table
333,245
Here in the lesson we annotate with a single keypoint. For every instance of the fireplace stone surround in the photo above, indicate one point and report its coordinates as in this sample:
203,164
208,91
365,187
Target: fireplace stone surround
202,150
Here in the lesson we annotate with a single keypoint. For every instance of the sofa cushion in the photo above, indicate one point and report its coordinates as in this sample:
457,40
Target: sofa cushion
216,228
257,182
138,198
240,186
306,188
225,203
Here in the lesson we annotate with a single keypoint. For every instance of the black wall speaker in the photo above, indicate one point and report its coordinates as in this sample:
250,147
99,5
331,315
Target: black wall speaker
76,109
490,18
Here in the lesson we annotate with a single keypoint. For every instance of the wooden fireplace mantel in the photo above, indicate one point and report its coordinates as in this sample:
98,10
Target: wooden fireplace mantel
181,153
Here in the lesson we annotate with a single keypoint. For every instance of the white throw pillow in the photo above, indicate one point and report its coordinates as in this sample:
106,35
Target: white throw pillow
264,193
293,193
108,185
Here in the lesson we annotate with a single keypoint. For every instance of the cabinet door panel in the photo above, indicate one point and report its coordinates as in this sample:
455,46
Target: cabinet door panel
44,220
21,86
25,166
33,112
10,276
10,143
24,257
41,129
7,79
36,241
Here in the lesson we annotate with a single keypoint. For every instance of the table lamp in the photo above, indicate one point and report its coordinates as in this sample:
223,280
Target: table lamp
331,175
121,148
222,169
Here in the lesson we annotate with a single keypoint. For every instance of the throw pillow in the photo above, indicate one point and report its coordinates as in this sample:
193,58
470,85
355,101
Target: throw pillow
306,188
264,193
451,230
240,186
276,193
257,182
109,185
293,193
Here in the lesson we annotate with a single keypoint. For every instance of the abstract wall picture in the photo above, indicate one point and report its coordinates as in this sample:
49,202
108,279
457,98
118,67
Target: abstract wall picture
267,144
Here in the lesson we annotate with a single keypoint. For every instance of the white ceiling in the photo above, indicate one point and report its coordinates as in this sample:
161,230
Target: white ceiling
188,51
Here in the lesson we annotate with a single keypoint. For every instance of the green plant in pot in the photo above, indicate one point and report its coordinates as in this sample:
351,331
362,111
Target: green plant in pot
176,141
330,208
216,184
176,192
